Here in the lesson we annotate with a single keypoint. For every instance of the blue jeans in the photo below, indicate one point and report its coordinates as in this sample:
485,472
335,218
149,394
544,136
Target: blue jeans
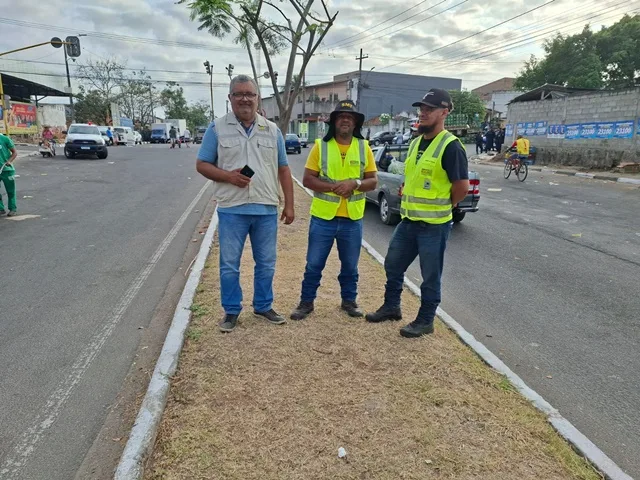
348,235
409,240
232,234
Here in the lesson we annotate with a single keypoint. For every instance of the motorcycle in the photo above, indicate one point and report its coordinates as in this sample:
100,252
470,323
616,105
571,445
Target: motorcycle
47,148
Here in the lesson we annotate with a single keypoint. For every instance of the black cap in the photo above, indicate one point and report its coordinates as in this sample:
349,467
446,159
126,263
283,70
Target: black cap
346,106
436,97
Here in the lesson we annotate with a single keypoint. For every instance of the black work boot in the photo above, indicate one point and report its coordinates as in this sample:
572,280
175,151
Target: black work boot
228,323
383,314
417,328
352,309
302,311
271,316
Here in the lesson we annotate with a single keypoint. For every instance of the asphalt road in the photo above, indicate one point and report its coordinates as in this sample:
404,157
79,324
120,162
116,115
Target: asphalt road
546,274
79,282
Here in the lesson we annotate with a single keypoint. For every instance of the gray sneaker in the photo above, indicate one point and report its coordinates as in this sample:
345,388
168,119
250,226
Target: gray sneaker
228,323
3,212
271,316
12,213
417,328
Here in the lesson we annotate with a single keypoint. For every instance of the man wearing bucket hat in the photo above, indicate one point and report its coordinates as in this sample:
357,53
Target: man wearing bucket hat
340,168
436,179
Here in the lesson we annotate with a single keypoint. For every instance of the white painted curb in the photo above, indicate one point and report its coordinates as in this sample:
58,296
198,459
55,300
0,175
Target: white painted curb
587,448
632,181
143,434
585,175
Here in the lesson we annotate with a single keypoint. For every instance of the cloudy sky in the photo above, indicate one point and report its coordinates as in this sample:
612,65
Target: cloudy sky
425,37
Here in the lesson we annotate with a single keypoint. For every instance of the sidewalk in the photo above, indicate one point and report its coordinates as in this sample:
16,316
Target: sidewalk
628,178
277,402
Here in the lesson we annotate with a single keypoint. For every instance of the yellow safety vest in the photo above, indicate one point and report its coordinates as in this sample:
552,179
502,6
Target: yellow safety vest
427,189
333,170
522,144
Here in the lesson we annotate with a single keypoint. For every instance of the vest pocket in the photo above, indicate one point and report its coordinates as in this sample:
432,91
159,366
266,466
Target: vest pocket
268,151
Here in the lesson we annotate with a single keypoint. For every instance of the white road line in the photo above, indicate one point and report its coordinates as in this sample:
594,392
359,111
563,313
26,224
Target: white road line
17,460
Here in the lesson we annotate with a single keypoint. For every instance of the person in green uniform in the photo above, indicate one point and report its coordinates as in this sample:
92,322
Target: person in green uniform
8,155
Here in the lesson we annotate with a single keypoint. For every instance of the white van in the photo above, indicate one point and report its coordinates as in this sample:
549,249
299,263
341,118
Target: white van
123,136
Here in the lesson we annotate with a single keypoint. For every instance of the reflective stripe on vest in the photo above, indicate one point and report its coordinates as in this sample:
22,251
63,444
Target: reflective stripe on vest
427,191
325,205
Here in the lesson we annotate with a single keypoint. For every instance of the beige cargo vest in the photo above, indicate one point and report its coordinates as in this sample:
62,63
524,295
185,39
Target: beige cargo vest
259,150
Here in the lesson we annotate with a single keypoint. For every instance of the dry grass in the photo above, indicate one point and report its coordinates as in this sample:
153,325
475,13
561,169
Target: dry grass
276,402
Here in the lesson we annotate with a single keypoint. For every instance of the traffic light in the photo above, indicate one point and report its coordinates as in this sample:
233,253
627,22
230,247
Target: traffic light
207,66
73,46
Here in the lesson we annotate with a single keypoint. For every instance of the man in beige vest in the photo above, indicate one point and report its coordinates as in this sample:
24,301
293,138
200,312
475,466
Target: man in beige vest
247,202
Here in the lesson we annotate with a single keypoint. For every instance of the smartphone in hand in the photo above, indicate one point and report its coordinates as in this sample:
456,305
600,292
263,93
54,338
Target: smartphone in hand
247,171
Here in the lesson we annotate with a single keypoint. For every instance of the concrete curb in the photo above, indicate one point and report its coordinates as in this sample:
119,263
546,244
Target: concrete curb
143,434
570,433
571,173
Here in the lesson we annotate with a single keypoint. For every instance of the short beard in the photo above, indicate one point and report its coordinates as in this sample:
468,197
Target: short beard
426,129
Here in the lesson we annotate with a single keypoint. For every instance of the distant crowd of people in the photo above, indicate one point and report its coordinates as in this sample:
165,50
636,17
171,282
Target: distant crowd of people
489,140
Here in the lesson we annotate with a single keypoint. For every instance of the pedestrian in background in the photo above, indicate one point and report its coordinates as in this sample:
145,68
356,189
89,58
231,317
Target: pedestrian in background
479,142
436,179
490,138
499,140
339,169
245,156
187,137
8,155
173,135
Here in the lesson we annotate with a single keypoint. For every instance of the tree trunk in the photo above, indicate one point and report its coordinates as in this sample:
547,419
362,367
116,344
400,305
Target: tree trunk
255,72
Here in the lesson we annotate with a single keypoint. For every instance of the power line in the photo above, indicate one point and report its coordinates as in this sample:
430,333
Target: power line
377,34
122,38
527,37
472,35
345,41
378,24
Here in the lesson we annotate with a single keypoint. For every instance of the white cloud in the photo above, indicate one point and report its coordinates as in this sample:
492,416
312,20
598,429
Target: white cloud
385,45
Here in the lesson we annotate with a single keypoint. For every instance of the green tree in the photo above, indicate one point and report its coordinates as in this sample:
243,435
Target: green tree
571,61
467,103
91,106
619,50
138,97
173,101
197,115
301,32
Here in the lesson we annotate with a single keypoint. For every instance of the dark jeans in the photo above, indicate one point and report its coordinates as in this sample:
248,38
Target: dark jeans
409,240
232,234
348,235
478,147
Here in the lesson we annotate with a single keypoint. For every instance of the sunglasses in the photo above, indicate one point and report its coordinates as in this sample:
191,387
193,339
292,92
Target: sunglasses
248,96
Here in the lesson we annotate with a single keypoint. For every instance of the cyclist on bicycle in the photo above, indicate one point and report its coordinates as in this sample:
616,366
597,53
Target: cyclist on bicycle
522,149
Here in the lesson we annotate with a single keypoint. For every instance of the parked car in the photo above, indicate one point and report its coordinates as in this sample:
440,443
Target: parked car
388,192
382,137
292,143
84,139
200,131
124,136
304,141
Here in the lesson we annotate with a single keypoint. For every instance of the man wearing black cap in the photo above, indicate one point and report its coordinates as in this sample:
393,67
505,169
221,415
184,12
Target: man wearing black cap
340,168
436,179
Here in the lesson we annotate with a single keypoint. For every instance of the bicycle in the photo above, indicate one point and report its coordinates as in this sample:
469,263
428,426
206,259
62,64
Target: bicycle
517,164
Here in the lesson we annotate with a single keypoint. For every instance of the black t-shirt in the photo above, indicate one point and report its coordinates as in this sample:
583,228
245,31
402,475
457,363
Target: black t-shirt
454,159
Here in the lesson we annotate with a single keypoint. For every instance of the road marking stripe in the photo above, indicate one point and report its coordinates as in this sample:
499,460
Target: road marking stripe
17,460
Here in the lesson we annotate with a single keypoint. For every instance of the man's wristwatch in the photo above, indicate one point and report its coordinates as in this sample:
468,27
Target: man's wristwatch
358,183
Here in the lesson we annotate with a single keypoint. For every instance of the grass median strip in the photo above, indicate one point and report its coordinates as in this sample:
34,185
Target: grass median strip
277,402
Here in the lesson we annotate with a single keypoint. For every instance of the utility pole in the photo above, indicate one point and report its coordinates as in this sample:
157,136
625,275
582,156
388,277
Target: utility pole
209,68
360,58
229,69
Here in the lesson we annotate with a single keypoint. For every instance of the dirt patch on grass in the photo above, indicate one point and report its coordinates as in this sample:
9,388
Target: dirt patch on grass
277,402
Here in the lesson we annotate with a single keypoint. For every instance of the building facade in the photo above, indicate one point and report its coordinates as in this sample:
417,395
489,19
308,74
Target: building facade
379,92
587,128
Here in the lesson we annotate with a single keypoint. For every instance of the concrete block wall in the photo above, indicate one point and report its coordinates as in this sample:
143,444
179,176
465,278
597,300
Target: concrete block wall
614,106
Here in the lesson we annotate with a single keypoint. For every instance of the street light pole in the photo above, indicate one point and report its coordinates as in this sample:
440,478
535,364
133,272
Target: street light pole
209,68
66,64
